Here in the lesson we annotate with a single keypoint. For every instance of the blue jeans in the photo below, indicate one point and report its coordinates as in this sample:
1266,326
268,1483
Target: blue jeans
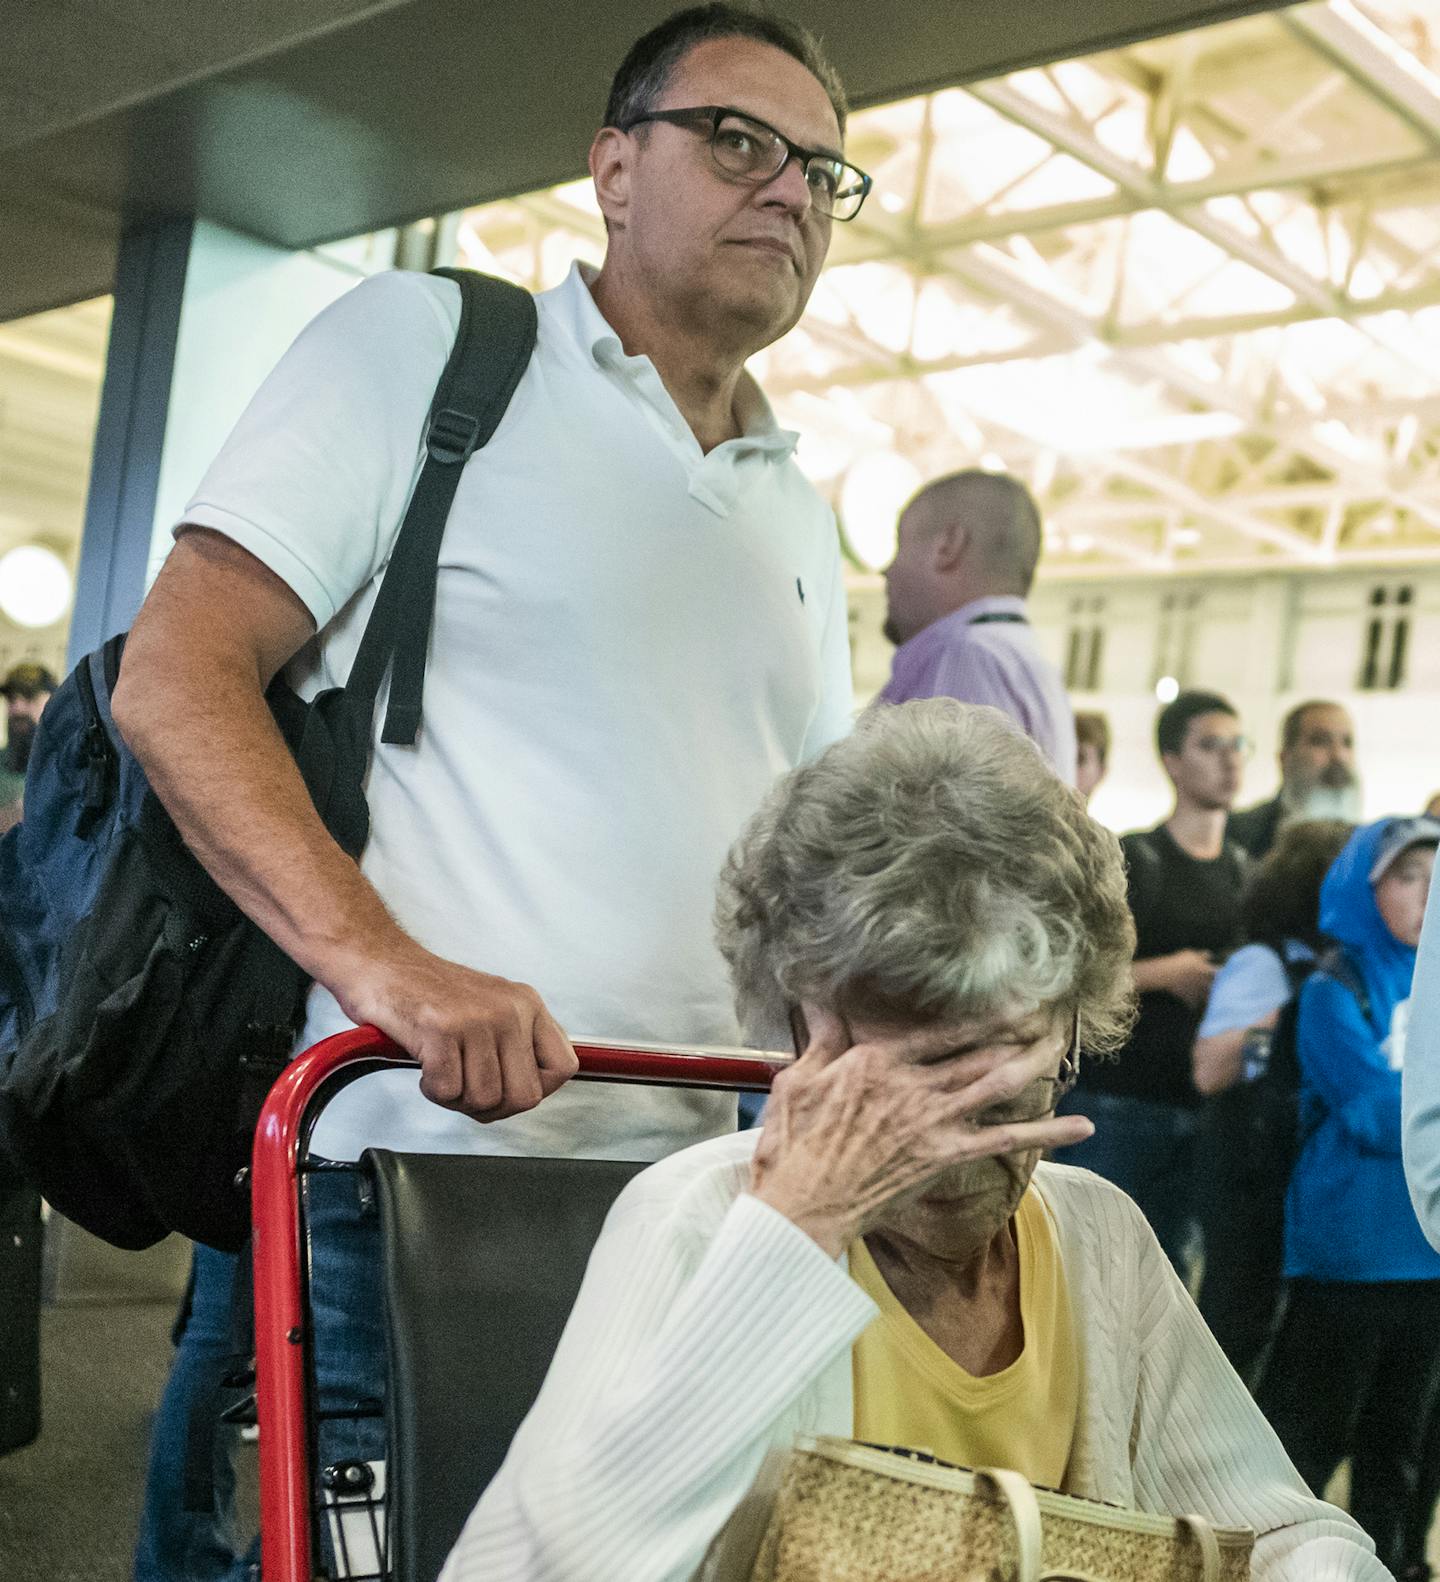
176,1545
1148,1150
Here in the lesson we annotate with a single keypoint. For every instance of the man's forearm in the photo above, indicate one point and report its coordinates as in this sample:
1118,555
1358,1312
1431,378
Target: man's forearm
215,629
217,761
1151,974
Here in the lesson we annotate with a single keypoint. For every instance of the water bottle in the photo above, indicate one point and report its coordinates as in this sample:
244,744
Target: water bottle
1255,1053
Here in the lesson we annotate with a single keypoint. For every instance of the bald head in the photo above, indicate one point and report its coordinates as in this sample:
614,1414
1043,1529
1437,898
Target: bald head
998,518
969,535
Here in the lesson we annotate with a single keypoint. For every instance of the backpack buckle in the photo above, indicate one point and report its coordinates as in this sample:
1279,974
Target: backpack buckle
452,436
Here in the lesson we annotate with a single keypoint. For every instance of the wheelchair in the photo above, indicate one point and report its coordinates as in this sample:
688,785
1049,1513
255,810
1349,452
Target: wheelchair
481,1261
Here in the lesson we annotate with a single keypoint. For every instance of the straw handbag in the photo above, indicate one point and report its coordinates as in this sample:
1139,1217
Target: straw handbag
849,1512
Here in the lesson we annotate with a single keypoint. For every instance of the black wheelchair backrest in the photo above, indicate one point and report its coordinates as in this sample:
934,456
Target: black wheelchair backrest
483,1259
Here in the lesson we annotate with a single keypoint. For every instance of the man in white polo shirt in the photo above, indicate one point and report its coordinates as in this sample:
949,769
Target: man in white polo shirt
639,623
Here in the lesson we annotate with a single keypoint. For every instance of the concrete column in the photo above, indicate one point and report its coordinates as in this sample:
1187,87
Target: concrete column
130,431
244,302
201,316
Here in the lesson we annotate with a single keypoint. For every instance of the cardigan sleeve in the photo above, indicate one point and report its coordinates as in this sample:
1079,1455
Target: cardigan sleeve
680,1355
1200,1445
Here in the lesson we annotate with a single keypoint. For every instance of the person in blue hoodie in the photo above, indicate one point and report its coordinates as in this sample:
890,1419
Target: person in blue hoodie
1356,1364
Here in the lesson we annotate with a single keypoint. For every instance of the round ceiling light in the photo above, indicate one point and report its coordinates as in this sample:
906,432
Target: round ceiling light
876,490
35,586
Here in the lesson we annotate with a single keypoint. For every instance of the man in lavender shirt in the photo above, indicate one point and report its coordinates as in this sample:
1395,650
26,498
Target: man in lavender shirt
965,557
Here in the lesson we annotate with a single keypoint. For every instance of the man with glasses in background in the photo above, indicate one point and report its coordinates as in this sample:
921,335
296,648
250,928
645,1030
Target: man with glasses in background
1185,881
639,624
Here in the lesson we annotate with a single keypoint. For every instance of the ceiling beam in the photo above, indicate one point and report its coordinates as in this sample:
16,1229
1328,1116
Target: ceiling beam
1328,178
1372,61
1206,508
1080,143
1002,279
1052,572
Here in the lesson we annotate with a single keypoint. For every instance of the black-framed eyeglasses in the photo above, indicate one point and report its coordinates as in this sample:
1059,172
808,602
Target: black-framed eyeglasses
749,149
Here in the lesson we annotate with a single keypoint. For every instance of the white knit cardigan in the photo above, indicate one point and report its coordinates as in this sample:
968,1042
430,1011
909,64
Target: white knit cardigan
709,1331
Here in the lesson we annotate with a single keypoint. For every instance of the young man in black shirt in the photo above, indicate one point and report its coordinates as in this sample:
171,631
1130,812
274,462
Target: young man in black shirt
1185,883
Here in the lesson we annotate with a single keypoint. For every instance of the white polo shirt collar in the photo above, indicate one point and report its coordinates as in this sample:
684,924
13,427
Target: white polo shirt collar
576,312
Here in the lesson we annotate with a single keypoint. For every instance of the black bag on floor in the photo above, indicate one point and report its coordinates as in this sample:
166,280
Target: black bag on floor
143,1017
20,1257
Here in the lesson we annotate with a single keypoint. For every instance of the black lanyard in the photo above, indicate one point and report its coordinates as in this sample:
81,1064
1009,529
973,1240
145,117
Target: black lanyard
997,618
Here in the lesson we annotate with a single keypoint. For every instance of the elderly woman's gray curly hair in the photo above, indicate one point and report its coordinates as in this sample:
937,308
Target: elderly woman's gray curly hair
928,867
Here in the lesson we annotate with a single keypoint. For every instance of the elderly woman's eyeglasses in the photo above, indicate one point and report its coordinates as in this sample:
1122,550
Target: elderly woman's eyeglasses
1042,1096
751,150
1026,1105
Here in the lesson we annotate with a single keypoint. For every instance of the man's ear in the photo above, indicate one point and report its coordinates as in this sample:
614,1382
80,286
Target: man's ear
948,546
611,155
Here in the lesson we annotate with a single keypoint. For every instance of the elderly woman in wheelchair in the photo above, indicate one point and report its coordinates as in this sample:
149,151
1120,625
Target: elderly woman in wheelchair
946,930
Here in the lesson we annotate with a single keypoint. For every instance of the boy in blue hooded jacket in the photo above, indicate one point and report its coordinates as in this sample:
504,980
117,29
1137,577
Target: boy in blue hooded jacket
1356,1364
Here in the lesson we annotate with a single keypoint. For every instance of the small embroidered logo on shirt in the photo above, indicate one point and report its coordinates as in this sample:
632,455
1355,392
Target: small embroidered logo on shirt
800,589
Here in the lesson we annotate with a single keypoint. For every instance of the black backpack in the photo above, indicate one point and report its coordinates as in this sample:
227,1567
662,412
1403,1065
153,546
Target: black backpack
143,1017
1264,1114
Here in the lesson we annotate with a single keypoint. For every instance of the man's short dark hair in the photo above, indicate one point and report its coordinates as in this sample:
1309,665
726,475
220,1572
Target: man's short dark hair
1294,721
1174,720
1093,730
28,680
645,72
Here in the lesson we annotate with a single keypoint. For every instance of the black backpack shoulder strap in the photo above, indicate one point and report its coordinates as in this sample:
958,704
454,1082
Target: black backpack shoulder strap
493,343
1143,863
1337,964
1239,862
1297,969
1283,1068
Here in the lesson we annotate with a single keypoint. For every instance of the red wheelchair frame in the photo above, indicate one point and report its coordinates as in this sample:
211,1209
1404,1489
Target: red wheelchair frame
282,1329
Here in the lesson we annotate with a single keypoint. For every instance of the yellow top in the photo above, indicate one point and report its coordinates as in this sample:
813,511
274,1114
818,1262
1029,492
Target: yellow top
909,1392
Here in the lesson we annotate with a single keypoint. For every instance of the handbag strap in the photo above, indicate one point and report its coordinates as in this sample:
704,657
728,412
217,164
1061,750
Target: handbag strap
1197,1528
1024,1510
1204,1535
493,343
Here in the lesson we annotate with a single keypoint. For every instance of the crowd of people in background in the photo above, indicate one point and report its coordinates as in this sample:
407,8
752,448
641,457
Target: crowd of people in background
1254,1113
